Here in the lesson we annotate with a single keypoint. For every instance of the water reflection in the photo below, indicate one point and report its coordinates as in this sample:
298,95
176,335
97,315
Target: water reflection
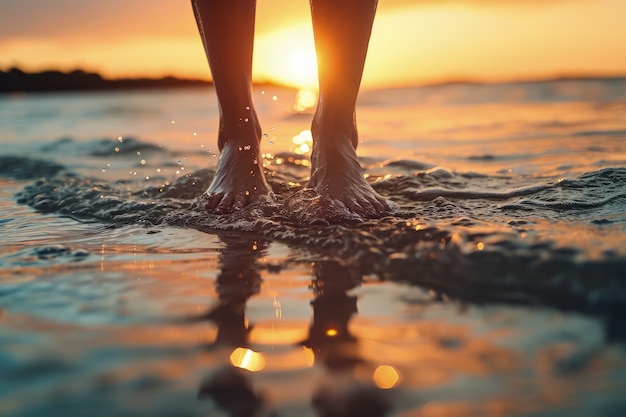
329,336
239,279
343,391
385,377
247,359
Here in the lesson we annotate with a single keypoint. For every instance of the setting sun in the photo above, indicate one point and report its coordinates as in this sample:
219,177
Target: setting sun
412,41
288,57
303,67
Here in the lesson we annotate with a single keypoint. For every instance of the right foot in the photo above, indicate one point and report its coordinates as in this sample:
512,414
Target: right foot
336,173
239,180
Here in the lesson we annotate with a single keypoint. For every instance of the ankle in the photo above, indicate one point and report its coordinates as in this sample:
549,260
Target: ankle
243,132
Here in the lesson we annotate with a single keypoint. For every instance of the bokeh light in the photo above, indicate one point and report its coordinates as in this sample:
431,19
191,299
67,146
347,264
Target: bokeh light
385,377
247,359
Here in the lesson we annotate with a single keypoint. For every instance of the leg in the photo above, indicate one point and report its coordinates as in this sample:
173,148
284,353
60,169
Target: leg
227,31
342,31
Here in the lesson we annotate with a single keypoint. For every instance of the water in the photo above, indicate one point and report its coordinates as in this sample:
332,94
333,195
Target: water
495,287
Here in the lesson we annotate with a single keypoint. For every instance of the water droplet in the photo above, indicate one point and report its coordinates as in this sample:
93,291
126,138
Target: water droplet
179,162
143,162
265,135
120,139
173,122
274,98
117,149
247,107
138,153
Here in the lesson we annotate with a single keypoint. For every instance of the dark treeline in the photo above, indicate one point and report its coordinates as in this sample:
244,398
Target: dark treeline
16,80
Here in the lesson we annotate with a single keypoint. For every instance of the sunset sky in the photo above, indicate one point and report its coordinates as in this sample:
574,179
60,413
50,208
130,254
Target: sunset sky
414,41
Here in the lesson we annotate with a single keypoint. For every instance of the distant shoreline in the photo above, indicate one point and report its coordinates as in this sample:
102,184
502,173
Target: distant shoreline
17,81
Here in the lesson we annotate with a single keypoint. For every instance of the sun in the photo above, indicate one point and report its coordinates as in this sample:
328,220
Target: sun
287,57
303,67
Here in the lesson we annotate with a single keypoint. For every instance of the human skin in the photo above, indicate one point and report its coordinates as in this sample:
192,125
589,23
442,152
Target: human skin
342,30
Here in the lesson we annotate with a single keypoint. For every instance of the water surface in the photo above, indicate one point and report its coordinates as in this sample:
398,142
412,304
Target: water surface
495,287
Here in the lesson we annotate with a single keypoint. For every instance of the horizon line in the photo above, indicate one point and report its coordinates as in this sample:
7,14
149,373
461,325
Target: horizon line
265,82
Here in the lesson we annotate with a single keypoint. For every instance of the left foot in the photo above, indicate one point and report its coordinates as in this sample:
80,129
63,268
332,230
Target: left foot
239,180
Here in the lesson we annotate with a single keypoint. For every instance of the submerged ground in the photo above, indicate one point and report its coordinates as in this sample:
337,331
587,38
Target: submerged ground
496,287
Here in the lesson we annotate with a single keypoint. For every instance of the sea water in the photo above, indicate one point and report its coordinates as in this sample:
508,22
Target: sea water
496,286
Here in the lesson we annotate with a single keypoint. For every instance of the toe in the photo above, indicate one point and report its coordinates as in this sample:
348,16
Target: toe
359,207
380,206
213,200
240,202
226,205
368,209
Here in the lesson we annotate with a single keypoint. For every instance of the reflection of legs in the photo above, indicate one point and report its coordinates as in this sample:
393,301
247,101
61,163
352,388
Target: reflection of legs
330,339
239,279
329,336
342,31
227,30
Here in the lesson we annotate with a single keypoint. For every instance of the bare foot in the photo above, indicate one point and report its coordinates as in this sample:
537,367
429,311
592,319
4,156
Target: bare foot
239,180
336,173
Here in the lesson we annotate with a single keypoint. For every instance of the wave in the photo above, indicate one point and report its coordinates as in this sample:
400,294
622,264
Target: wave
473,237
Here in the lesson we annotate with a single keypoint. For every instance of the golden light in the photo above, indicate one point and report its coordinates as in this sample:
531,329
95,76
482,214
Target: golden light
306,98
276,333
332,332
385,377
504,41
303,66
309,356
303,142
247,359
287,56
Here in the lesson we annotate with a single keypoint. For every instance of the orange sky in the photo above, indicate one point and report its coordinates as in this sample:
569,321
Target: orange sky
414,41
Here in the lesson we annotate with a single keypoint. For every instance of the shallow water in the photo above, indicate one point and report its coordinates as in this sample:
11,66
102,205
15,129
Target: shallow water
495,287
